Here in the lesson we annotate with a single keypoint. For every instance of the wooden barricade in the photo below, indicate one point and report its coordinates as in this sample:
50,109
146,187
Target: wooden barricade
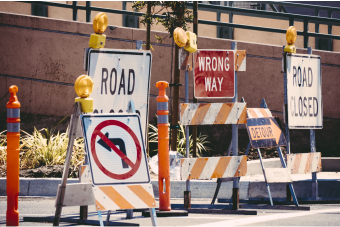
304,163
213,167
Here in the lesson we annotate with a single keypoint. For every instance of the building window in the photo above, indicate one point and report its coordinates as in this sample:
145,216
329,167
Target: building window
130,21
39,10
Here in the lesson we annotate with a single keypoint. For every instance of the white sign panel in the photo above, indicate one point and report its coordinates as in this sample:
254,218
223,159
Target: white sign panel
116,149
304,96
120,76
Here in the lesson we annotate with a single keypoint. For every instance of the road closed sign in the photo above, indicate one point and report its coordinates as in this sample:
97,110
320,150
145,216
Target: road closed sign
214,74
120,76
116,149
304,97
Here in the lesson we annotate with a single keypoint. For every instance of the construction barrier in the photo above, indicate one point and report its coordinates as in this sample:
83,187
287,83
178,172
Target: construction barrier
163,147
213,113
213,167
13,149
304,162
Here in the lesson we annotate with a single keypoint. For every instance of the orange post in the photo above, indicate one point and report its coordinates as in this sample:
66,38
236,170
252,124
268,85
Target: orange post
163,147
13,135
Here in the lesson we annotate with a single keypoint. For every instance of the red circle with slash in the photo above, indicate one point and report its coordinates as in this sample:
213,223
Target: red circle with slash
134,166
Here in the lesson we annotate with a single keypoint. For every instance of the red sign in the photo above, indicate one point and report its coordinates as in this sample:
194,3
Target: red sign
214,74
134,166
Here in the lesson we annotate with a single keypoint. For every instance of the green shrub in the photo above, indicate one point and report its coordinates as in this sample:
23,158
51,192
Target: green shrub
201,142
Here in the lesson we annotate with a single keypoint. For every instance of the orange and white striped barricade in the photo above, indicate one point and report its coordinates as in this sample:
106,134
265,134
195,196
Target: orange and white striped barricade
304,163
213,167
213,113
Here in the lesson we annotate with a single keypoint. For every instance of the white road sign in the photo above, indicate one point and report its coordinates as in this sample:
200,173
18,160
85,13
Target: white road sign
120,76
116,149
304,91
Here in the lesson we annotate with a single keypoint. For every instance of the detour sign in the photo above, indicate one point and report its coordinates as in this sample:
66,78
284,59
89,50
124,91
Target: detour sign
265,132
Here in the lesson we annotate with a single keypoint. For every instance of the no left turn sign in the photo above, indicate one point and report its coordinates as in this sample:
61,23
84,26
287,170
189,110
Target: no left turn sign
116,149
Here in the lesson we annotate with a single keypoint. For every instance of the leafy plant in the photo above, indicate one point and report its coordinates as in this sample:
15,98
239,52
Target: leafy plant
201,143
175,12
3,144
39,150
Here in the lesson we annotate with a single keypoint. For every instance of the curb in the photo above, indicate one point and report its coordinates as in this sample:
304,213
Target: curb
328,188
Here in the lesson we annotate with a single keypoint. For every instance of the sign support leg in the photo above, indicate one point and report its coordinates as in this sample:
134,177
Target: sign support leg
153,216
265,178
219,182
236,183
108,218
315,191
289,188
285,114
61,192
290,185
187,193
100,218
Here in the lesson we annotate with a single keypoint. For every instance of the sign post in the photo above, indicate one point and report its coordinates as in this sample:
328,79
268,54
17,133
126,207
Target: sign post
215,76
303,96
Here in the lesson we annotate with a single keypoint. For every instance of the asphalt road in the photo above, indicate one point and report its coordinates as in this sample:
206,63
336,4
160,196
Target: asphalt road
319,215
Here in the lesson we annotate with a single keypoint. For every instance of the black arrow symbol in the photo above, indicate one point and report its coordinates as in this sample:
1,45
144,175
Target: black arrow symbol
118,142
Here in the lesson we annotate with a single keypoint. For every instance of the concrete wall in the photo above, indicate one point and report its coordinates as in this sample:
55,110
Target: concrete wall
203,30
44,56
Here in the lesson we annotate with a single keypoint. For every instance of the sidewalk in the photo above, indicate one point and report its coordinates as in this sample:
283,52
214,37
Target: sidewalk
252,186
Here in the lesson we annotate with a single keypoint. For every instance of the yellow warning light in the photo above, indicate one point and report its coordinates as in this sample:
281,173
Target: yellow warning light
188,39
84,87
291,35
180,37
100,23
99,26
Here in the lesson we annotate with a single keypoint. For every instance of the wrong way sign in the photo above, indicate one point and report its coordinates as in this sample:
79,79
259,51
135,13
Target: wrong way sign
304,97
116,149
120,76
214,72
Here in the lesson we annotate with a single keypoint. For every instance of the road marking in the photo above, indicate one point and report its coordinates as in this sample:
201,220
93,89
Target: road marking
247,221
208,217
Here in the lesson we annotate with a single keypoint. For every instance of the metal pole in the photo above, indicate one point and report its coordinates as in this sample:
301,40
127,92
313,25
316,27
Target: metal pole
285,112
265,178
74,11
315,192
148,27
236,180
88,11
187,151
187,193
194,127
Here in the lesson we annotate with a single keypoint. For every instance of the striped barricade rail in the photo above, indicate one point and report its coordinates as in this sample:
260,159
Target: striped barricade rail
213,113
213,167
304,162
240,60
114,197
258,112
